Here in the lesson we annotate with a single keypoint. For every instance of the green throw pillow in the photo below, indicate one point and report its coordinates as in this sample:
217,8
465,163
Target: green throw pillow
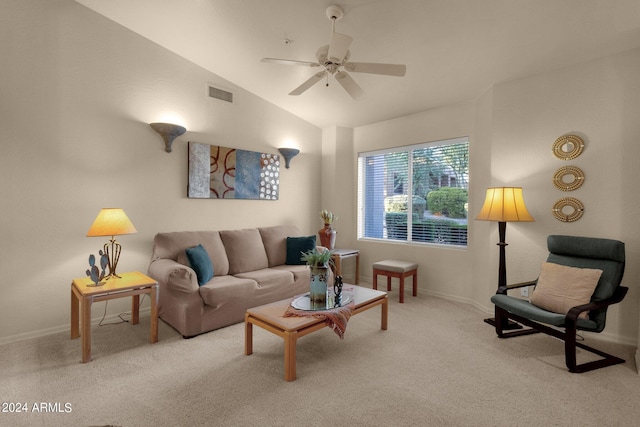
201,263
296,246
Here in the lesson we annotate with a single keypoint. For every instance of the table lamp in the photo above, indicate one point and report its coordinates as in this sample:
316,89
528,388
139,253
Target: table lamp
503,204
111,222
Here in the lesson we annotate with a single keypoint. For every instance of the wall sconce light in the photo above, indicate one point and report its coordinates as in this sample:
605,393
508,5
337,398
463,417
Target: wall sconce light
288,154
168,132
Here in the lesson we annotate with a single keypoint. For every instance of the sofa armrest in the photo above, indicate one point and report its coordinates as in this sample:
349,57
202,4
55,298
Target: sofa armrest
173,275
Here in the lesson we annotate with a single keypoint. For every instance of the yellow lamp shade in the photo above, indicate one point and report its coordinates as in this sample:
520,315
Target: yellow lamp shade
111,222
504,204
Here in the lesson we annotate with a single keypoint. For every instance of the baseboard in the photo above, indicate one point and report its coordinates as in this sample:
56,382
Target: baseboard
65,328
612,338
461,300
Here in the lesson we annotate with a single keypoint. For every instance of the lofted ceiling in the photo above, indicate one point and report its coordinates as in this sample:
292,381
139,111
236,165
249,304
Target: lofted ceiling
454,50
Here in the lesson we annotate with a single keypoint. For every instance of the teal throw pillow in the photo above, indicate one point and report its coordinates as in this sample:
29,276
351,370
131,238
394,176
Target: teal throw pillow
296,246
201,263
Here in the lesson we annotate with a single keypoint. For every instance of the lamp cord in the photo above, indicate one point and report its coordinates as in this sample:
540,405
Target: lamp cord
122,319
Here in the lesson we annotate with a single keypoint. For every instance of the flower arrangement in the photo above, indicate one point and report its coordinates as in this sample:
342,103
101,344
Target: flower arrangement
315,259
328,217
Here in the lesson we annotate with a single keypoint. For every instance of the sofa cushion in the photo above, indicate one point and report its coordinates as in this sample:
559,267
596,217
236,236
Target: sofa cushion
172,245
299,272
275,242
561,288
296,246
268,277
245,250
201,263
222,290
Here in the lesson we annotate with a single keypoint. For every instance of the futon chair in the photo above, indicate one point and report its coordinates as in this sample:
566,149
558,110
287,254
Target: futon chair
587,255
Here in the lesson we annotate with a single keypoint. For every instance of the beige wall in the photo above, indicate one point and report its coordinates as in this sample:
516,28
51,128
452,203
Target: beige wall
597,101
80,90
77,94
512,128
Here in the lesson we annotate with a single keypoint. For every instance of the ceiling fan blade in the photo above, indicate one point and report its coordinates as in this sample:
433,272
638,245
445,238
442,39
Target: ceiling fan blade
338,47
349,84
398,70
290,62
307,84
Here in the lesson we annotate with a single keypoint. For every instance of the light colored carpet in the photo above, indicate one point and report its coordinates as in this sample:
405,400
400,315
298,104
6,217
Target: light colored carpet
438,364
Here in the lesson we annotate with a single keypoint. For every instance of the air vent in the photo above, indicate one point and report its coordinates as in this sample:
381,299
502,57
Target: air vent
220,94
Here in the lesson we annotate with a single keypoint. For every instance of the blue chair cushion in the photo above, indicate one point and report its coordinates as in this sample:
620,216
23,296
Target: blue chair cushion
527,310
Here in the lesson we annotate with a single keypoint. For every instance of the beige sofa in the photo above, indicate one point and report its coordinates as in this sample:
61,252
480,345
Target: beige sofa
249,270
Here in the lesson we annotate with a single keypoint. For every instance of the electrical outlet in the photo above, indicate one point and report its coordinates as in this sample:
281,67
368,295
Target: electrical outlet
524,291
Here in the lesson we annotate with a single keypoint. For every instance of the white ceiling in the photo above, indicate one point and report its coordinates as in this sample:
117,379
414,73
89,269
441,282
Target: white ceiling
454,49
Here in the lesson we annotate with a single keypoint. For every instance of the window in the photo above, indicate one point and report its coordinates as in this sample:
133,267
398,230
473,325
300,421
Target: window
436,175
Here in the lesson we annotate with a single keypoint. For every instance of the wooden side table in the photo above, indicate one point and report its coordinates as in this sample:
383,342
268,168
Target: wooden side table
340,254
131,285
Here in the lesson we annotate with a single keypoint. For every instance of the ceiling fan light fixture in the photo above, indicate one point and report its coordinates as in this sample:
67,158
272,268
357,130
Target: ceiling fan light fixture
334,59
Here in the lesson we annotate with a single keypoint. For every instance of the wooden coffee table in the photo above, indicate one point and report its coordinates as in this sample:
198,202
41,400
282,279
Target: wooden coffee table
270,317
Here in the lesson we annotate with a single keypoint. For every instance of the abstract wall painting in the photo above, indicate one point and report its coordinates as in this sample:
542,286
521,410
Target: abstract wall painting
227,173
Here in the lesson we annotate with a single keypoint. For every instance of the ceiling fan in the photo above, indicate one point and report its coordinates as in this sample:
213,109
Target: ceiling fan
334,58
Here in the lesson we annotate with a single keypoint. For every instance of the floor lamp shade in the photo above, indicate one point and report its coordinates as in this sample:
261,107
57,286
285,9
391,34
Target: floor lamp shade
504,204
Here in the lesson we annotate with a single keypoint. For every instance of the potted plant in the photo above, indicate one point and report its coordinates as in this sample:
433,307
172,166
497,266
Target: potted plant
327,233
319,262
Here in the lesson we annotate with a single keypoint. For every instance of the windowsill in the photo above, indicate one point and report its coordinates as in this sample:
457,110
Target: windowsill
418,244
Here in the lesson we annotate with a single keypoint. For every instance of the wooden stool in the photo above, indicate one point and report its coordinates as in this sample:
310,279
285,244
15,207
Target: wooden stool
400,269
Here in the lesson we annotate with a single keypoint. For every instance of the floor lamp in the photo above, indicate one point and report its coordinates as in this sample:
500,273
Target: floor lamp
504,204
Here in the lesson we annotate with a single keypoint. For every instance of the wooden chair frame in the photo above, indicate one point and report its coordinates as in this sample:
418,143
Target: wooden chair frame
568,336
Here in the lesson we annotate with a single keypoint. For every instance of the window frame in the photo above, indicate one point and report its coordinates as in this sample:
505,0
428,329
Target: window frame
410,150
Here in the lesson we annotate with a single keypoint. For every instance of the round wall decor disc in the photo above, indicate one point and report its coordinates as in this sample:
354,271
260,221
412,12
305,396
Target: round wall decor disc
568,147
568,209
568,178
